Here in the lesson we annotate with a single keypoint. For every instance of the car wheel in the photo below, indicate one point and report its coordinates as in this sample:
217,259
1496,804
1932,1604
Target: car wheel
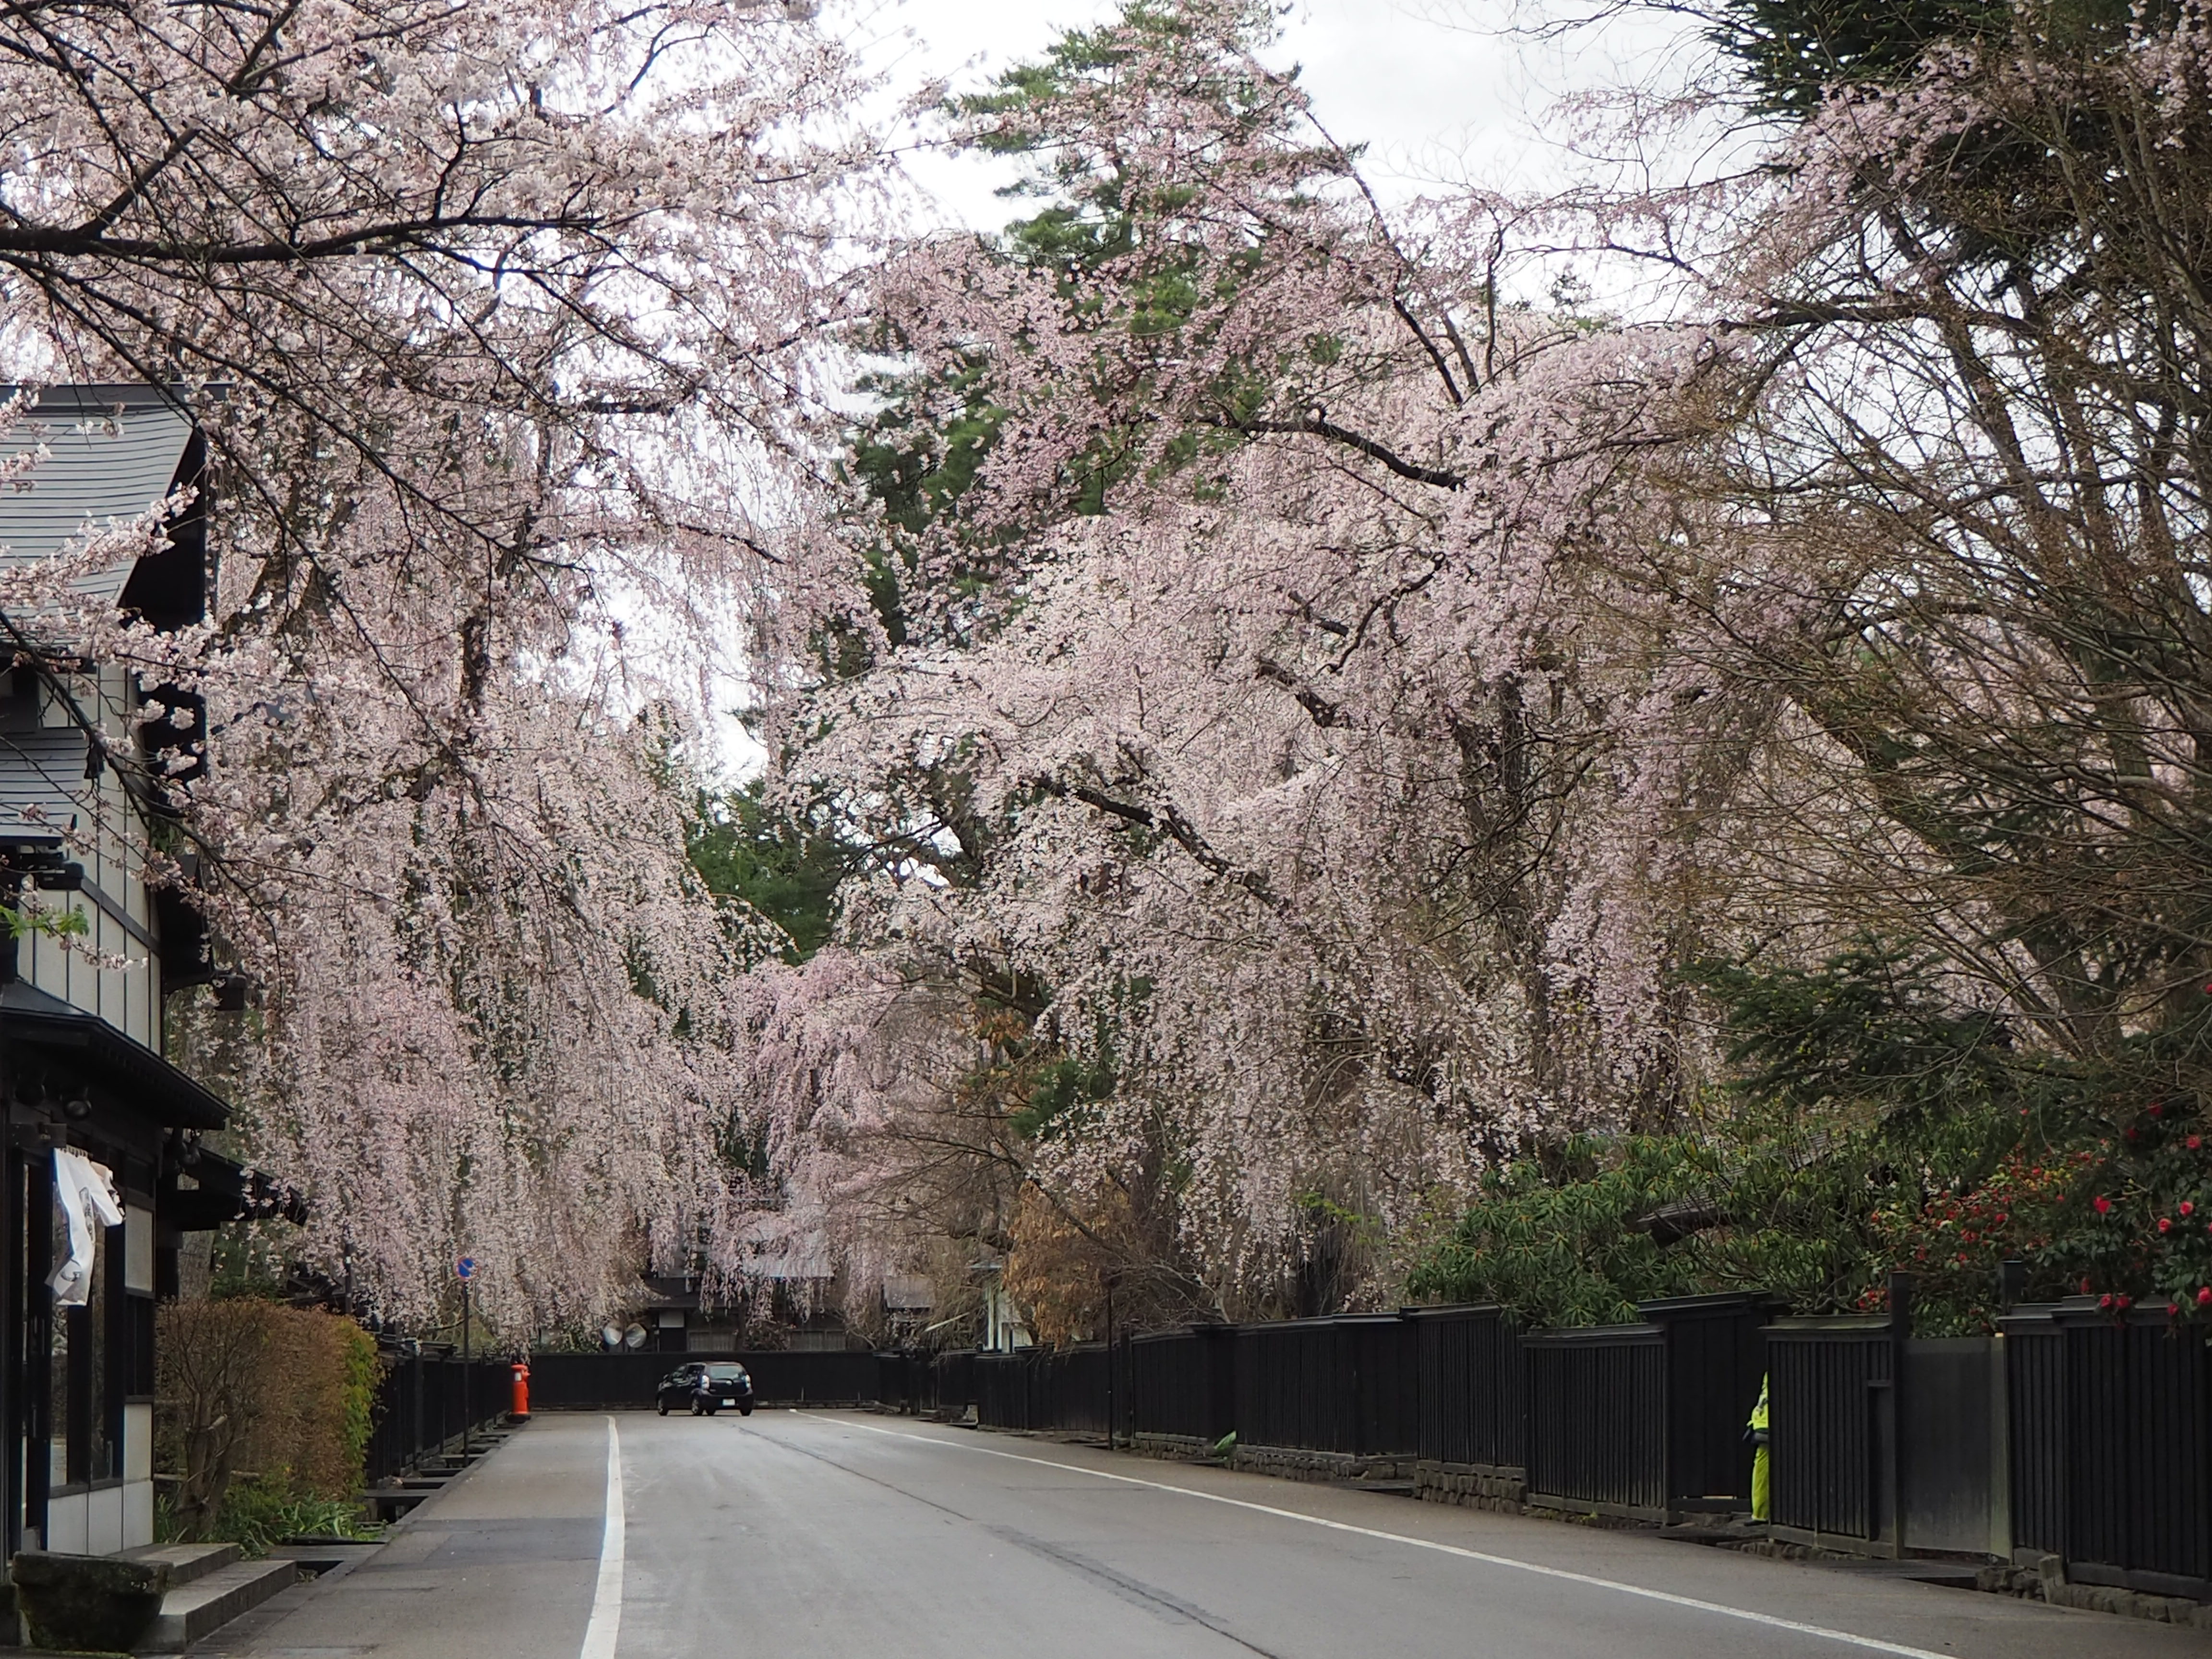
711,1410
663,1408
745,1410
697,1409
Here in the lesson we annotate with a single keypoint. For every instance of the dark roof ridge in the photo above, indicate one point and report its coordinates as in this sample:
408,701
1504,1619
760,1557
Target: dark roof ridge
102,397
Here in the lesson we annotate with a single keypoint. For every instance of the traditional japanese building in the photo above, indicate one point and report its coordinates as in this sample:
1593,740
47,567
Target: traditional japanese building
99,1123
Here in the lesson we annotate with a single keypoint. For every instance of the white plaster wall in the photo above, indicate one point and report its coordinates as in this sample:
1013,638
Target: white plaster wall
66,1523
103,1520
137,1514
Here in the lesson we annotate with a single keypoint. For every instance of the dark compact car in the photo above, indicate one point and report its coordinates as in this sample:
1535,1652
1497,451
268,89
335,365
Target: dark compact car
706,1389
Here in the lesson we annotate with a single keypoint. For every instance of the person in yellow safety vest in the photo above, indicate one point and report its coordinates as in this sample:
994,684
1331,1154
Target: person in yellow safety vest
1762,1466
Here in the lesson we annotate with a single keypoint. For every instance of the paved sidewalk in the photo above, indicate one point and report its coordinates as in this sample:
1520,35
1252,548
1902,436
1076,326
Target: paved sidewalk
500,1563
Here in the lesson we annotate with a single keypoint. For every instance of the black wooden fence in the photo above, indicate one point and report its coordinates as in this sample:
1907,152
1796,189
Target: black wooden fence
1644,1420
1832,1399
1716,1359
426,1394
1472,1382
2111,1451
569,1381
1183,1384
1066,1389
1597,1419
1345,1386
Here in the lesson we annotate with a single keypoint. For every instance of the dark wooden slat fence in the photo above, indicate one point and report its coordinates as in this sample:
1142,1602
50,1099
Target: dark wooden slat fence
1472,1385
1716,1359
1182,1385
425,1396
1597,1419
1834,1437
619,1381
1347,1387
2035,1409
2110,1445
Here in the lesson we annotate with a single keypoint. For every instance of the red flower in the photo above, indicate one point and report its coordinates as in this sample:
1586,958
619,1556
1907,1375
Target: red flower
2122,1301
2165,1224
2204,1296
2173,1307
2106,1300
2187,1208
2102,1204
2155,1109
2196,1143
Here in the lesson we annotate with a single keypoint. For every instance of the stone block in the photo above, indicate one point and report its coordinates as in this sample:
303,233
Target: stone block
78,1602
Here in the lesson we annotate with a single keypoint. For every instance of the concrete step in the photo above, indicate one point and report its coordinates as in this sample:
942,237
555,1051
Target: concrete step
390,1503
318,1556
186,1562
213,1599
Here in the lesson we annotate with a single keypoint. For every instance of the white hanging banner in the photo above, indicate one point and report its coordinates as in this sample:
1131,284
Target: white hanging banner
85,1190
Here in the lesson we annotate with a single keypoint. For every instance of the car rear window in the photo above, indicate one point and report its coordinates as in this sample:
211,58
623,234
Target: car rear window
725,1373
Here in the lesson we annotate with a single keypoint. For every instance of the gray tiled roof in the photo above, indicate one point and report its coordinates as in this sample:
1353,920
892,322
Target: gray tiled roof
114,453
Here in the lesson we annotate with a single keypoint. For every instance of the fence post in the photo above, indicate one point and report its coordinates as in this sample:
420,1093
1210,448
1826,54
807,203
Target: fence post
2012,1291
1892,1442
1109,1362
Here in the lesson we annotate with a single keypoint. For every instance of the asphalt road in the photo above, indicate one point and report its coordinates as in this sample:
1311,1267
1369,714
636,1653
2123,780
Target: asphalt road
833,1535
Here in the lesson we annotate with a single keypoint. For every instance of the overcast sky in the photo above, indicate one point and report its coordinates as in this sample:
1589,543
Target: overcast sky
1436,89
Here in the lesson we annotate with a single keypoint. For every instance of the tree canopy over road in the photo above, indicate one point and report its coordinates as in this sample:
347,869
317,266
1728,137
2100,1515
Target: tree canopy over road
1311,743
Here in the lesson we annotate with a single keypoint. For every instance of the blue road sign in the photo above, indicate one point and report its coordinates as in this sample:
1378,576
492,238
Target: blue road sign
466,1266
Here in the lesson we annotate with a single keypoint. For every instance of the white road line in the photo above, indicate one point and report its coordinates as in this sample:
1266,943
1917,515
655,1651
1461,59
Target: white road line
606,1599
1870,1643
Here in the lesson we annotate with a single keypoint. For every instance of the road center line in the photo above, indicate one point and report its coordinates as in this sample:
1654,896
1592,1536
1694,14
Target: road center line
1870,1643
607,1599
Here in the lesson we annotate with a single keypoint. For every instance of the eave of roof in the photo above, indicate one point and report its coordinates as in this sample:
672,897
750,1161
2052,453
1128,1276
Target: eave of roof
162,1092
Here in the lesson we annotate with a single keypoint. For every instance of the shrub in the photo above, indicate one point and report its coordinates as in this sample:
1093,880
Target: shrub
277,1397
267,1510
